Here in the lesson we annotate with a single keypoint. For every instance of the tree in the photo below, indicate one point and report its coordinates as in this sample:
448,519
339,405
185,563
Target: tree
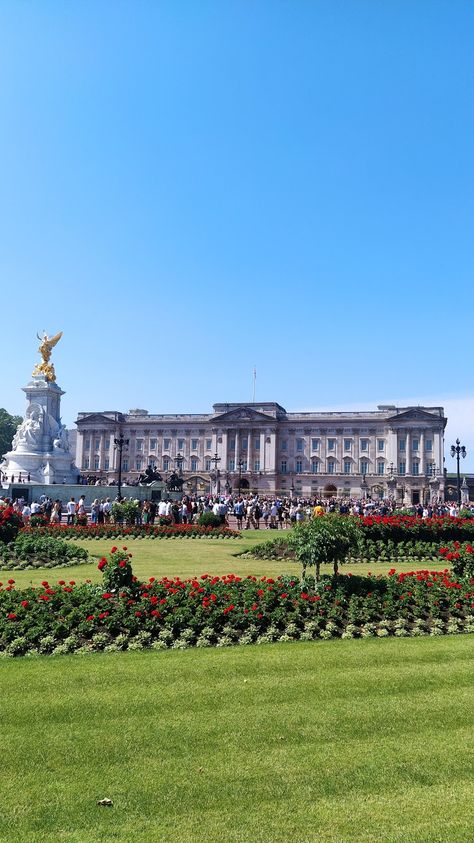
8,426
326,539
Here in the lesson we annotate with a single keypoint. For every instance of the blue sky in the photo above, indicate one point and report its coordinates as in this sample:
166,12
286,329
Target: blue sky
189,189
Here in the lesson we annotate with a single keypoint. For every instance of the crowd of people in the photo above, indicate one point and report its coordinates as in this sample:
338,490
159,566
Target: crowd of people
244,512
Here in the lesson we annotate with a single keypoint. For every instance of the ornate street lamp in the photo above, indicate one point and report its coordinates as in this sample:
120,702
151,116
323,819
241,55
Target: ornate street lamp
458,451
179,464
119,443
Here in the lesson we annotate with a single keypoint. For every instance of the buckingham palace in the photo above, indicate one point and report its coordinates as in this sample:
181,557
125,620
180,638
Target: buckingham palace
260,447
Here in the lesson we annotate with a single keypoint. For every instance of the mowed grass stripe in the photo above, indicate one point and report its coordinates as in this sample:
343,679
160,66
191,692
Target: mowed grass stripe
343,740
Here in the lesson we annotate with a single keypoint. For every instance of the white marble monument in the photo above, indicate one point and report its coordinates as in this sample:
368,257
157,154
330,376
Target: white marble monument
40,447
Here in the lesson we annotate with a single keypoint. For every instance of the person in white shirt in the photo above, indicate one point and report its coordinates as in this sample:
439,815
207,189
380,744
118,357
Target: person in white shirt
70,510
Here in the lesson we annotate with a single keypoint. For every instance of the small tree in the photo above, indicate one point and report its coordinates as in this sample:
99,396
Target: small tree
327,539
125,512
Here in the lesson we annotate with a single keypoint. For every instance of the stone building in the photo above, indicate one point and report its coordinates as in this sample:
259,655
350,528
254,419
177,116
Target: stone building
261,447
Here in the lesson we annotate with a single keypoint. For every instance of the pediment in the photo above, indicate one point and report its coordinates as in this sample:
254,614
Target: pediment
96,419
243,414
416,414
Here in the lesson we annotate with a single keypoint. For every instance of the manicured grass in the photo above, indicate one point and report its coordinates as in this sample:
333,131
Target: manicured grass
338,741
190,557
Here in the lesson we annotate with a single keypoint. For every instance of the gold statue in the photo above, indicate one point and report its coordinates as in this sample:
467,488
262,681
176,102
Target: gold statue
46,344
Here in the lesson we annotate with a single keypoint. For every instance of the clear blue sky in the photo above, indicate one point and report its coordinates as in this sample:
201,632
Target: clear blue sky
189,189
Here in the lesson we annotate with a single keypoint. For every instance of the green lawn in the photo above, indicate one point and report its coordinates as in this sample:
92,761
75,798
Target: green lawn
188,557
357,741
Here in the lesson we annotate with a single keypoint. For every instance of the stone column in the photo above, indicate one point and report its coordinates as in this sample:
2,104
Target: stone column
408,458
422,452
263,462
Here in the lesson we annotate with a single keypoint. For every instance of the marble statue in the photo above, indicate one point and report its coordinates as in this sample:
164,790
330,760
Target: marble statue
30,430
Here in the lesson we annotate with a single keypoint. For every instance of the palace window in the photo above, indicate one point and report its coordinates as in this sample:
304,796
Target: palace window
139,445
244,443
231,444
299,466
402,445
256,465
87,443
194,444
166,464
415,444
429,445
402,467
364,467
380,467
180,444
231,464
300,445
138,465
152,444
331,444
415,468
256,443
347,466
106,464
194,463
96,463
125,464
107,444
166,444
96,444
207,464
284,444
364,444
331,466
85,462
314,466
283,467
380,444
244,465
347,444
208,444
315,444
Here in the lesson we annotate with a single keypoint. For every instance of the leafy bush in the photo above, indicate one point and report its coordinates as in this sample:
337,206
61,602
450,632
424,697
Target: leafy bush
10,524
125,512
29,550
117,571
208,519
461,557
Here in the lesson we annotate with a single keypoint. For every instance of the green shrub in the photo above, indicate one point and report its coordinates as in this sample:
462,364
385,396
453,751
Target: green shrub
208,519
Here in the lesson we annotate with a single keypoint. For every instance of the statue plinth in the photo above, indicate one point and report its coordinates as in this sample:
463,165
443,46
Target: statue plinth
40,447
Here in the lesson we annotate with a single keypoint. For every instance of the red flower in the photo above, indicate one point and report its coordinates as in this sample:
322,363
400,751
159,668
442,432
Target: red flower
122,564
11,582
90,617
25,603
11,616
107,596
114,549
102,564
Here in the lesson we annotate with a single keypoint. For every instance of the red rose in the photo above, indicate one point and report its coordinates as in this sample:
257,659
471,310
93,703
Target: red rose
114,549
24,603
122,564
102,564
11,616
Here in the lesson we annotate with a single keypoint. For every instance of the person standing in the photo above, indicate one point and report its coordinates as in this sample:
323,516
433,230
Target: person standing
70,511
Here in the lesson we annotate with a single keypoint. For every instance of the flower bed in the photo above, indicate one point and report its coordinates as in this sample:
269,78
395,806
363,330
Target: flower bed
31,551
221,611
139,531
412,528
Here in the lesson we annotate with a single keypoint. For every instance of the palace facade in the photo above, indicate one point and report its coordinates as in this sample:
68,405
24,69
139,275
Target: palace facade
391,451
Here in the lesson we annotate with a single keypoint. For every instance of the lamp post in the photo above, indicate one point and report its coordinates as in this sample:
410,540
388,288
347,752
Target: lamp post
119,443
458,451
241,465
